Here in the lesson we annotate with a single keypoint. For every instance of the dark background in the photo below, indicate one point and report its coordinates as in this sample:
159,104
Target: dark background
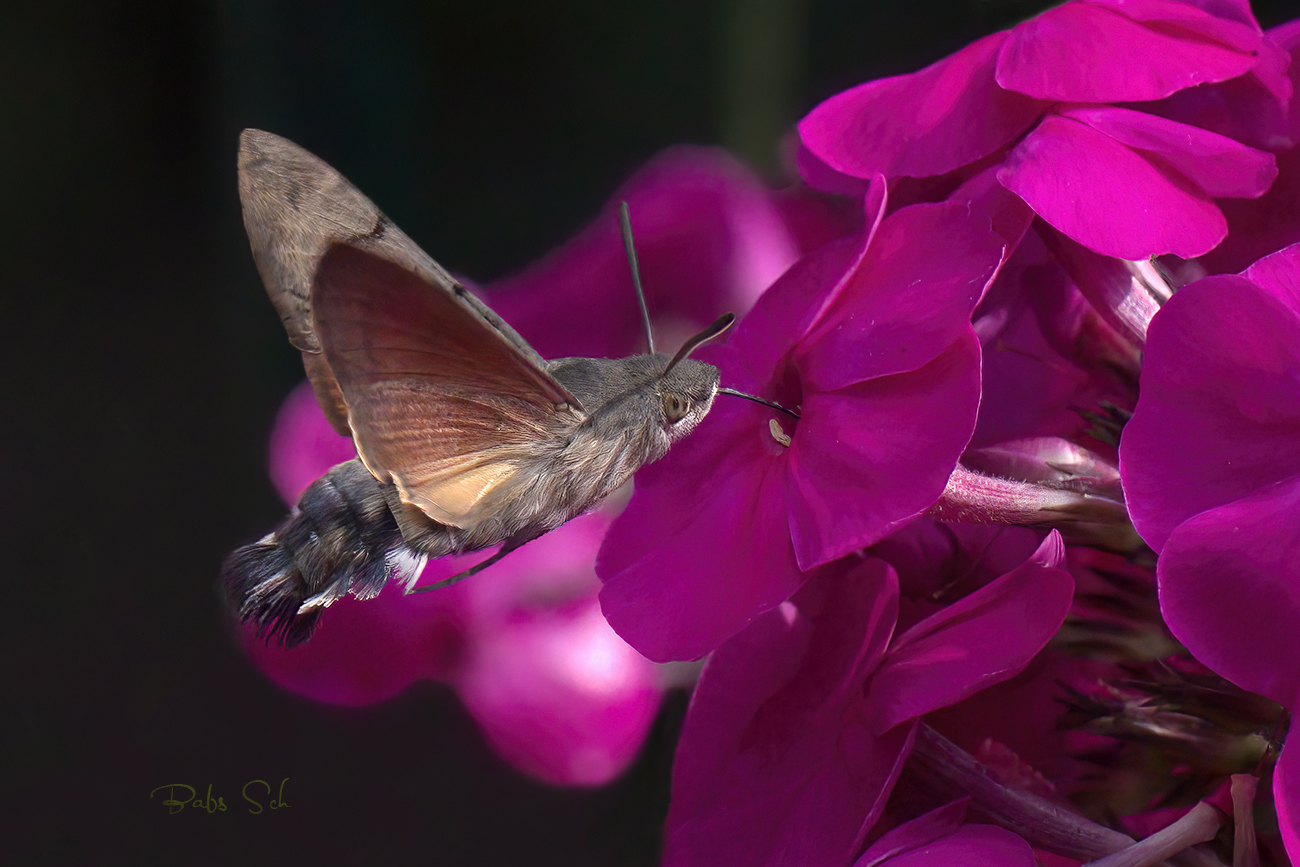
143,365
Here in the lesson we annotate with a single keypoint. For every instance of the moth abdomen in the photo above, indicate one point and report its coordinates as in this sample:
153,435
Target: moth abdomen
341,539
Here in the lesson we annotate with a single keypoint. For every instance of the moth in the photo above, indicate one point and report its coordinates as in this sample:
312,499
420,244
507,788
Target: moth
466,437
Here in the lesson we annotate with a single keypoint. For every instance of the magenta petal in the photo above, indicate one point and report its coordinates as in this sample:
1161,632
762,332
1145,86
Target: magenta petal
1244,109
928,554
1010,215
774,764
560,696
926,123
914,834
819,813
1286,35
303,444
791,306
1230,590
984,639
795,302
1197,20
704,546
1081,52
1187,12
907,301
1279,274
1108,197
1217,164
868,457
971,846
822,177
1219,412
1287,38
1286,795
1044,345
1258,227
1274,61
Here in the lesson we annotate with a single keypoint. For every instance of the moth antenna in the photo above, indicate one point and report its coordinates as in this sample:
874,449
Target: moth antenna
721,324
756,399
625,219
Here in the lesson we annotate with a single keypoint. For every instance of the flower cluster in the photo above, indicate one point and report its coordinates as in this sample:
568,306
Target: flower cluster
1009,570
1017,579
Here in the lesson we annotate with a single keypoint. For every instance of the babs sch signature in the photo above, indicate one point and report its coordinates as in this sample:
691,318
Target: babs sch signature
178,796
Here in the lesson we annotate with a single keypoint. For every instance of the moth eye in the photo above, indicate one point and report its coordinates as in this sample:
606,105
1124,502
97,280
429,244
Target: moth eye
675,408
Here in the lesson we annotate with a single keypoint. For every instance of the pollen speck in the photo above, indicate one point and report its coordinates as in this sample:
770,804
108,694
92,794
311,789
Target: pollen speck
777,434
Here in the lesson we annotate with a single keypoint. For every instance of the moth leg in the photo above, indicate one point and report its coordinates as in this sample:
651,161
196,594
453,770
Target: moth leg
510,545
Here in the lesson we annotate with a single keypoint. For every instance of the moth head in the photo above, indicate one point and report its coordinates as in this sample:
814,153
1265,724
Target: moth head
685,394
686,387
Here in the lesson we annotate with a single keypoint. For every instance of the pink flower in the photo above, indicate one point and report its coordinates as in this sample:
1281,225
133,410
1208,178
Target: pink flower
871,339
800,725
1211,468
1035,101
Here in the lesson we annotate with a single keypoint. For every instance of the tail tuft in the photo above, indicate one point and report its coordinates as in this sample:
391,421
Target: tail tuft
341,539
266,589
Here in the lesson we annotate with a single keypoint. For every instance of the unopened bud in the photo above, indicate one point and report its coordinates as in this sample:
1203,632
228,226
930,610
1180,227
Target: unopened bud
1048,461
1126,293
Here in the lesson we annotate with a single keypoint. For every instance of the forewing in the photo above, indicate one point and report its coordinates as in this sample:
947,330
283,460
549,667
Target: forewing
440,401
296,207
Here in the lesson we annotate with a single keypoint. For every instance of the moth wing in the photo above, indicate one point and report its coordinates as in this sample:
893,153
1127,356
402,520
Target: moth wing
441,401
296,207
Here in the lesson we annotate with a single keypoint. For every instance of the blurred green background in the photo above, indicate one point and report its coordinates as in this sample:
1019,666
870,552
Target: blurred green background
143,366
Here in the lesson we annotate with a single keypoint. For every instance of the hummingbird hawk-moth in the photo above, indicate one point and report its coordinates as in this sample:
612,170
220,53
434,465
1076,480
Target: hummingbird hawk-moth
466,437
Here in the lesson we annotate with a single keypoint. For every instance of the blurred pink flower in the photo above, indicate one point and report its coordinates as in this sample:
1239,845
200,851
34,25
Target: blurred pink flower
557,693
